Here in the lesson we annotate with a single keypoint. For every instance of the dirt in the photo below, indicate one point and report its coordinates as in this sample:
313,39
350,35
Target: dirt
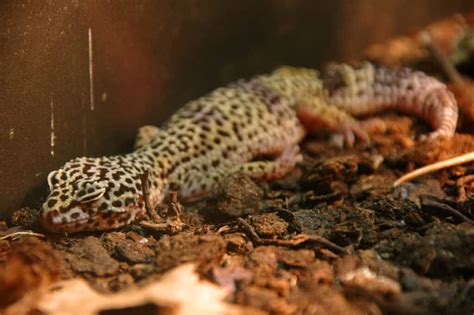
400,256
332,237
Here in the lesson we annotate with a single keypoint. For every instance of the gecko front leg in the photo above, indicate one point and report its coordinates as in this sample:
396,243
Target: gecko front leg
258,170
271,170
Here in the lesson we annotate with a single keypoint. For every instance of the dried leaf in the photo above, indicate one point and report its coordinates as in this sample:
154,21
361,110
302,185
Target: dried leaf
179,291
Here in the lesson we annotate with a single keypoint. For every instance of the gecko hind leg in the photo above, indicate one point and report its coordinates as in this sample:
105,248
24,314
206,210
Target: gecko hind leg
315,113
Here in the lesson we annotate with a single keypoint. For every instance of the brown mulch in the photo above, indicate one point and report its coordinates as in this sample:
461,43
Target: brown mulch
332,237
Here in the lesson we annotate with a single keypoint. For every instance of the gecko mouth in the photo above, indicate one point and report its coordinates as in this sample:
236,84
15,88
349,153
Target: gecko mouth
104,220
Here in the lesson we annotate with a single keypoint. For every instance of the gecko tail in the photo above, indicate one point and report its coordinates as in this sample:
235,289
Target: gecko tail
368,89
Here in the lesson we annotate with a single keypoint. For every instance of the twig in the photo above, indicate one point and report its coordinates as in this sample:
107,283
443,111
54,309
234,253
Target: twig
297,240
429,202
146,196
249,229
461,159
464,293
460,185
175,205
165,227
171,225
332,196
446,64
18,234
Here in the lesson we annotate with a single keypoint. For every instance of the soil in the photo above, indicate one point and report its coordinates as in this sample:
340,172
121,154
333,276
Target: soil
380,250
332,237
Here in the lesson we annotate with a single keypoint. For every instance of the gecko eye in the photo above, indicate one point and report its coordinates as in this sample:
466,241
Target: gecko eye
52,180
84,197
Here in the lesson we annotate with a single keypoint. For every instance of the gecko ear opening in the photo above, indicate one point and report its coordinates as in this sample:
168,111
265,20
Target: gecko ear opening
83,197
52,180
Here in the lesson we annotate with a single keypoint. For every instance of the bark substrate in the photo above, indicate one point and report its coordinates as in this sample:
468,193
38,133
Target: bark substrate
332,237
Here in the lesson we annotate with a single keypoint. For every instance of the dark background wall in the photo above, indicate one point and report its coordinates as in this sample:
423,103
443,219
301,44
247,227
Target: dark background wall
147,58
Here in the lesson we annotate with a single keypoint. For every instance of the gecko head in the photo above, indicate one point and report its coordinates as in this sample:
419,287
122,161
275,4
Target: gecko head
89,194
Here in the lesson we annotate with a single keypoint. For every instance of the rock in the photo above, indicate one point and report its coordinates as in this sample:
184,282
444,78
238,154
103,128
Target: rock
238,196
89,257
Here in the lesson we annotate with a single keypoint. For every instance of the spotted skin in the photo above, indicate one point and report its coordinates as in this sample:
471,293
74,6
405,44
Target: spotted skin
225,131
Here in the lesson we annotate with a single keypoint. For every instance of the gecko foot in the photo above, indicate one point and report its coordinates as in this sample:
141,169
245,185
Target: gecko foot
347,133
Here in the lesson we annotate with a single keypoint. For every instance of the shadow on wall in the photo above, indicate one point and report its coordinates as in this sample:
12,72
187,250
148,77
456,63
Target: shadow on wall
79,77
